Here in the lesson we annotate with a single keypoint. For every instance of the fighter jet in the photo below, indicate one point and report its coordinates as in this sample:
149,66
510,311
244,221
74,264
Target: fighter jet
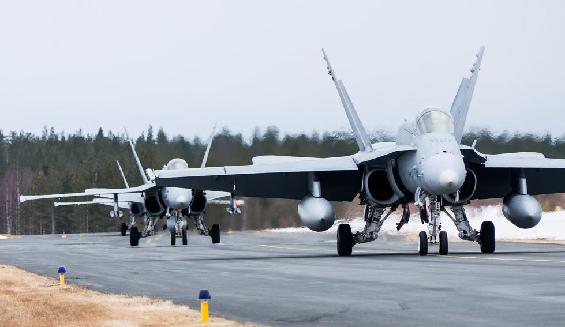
130,201
427,166
153,202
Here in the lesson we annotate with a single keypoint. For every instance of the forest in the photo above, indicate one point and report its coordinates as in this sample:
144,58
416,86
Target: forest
55,162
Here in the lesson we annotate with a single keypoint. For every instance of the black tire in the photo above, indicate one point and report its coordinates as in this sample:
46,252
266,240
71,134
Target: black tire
423,248
443,244
134,236
165,226
487,237
215,234
123,229
344,240
173,237
184,237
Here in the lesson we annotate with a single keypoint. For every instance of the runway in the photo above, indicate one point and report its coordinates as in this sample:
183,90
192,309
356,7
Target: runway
296,279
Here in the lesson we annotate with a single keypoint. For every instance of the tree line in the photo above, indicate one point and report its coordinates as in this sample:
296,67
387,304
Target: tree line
60,163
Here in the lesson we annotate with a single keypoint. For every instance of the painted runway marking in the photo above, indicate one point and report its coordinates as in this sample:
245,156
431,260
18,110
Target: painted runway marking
503,259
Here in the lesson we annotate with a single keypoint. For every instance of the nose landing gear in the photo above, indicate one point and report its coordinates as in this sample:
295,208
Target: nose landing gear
431,208
432,204
177,225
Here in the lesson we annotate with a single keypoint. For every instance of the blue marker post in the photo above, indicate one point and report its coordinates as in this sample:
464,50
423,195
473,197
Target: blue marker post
204,297
62,272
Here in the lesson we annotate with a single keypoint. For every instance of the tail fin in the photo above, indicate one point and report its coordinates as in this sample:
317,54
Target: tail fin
123,175
462,101
205,159
363,141
137,161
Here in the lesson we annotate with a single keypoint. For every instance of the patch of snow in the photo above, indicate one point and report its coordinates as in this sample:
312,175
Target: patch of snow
551,226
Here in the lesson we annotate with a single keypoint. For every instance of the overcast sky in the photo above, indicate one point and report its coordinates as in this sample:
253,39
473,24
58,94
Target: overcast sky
184,65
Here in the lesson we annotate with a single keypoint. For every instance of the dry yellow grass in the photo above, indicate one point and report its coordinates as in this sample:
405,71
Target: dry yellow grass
27,299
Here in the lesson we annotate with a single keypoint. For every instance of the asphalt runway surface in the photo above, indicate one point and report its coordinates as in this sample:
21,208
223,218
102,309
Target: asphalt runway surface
296,279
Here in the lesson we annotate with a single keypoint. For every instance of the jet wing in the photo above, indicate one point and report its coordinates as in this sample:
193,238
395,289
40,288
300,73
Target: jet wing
132,194
103,201
283,177
495,177
137,189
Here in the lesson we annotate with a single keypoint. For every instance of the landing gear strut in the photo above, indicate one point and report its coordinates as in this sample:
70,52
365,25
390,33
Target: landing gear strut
373,222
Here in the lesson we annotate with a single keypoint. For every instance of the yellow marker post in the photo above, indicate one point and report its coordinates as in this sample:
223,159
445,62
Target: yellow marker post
61,272
204,297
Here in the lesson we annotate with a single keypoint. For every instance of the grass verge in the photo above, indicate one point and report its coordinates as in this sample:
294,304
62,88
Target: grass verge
27,299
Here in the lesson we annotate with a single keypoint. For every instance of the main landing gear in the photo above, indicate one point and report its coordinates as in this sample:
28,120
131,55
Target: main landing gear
123,229
430,211
148,229
214,232
134,236
373,222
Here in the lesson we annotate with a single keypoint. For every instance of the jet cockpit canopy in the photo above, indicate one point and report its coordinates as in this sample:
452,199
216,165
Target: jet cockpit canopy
433,120
175,164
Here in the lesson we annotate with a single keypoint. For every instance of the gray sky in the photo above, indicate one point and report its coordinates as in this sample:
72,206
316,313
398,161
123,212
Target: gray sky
185,64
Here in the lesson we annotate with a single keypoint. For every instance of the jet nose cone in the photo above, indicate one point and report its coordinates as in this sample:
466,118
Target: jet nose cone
448,181
442,173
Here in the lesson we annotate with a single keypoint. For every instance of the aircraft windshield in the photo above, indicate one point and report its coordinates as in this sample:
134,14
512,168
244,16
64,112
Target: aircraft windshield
435,121
177,164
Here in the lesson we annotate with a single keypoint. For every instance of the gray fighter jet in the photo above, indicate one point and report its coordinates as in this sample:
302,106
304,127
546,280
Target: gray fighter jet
427,166
151,202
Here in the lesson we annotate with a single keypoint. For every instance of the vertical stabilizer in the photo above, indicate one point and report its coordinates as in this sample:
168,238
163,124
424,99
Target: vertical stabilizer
210,139
137,161
462,101
361,137
123,175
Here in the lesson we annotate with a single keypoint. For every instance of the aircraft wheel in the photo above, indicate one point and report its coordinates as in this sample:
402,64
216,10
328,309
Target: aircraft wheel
423,248
344,240
443,242
184,237
215,233
123,229
134,236
173,237
164,226
487,237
